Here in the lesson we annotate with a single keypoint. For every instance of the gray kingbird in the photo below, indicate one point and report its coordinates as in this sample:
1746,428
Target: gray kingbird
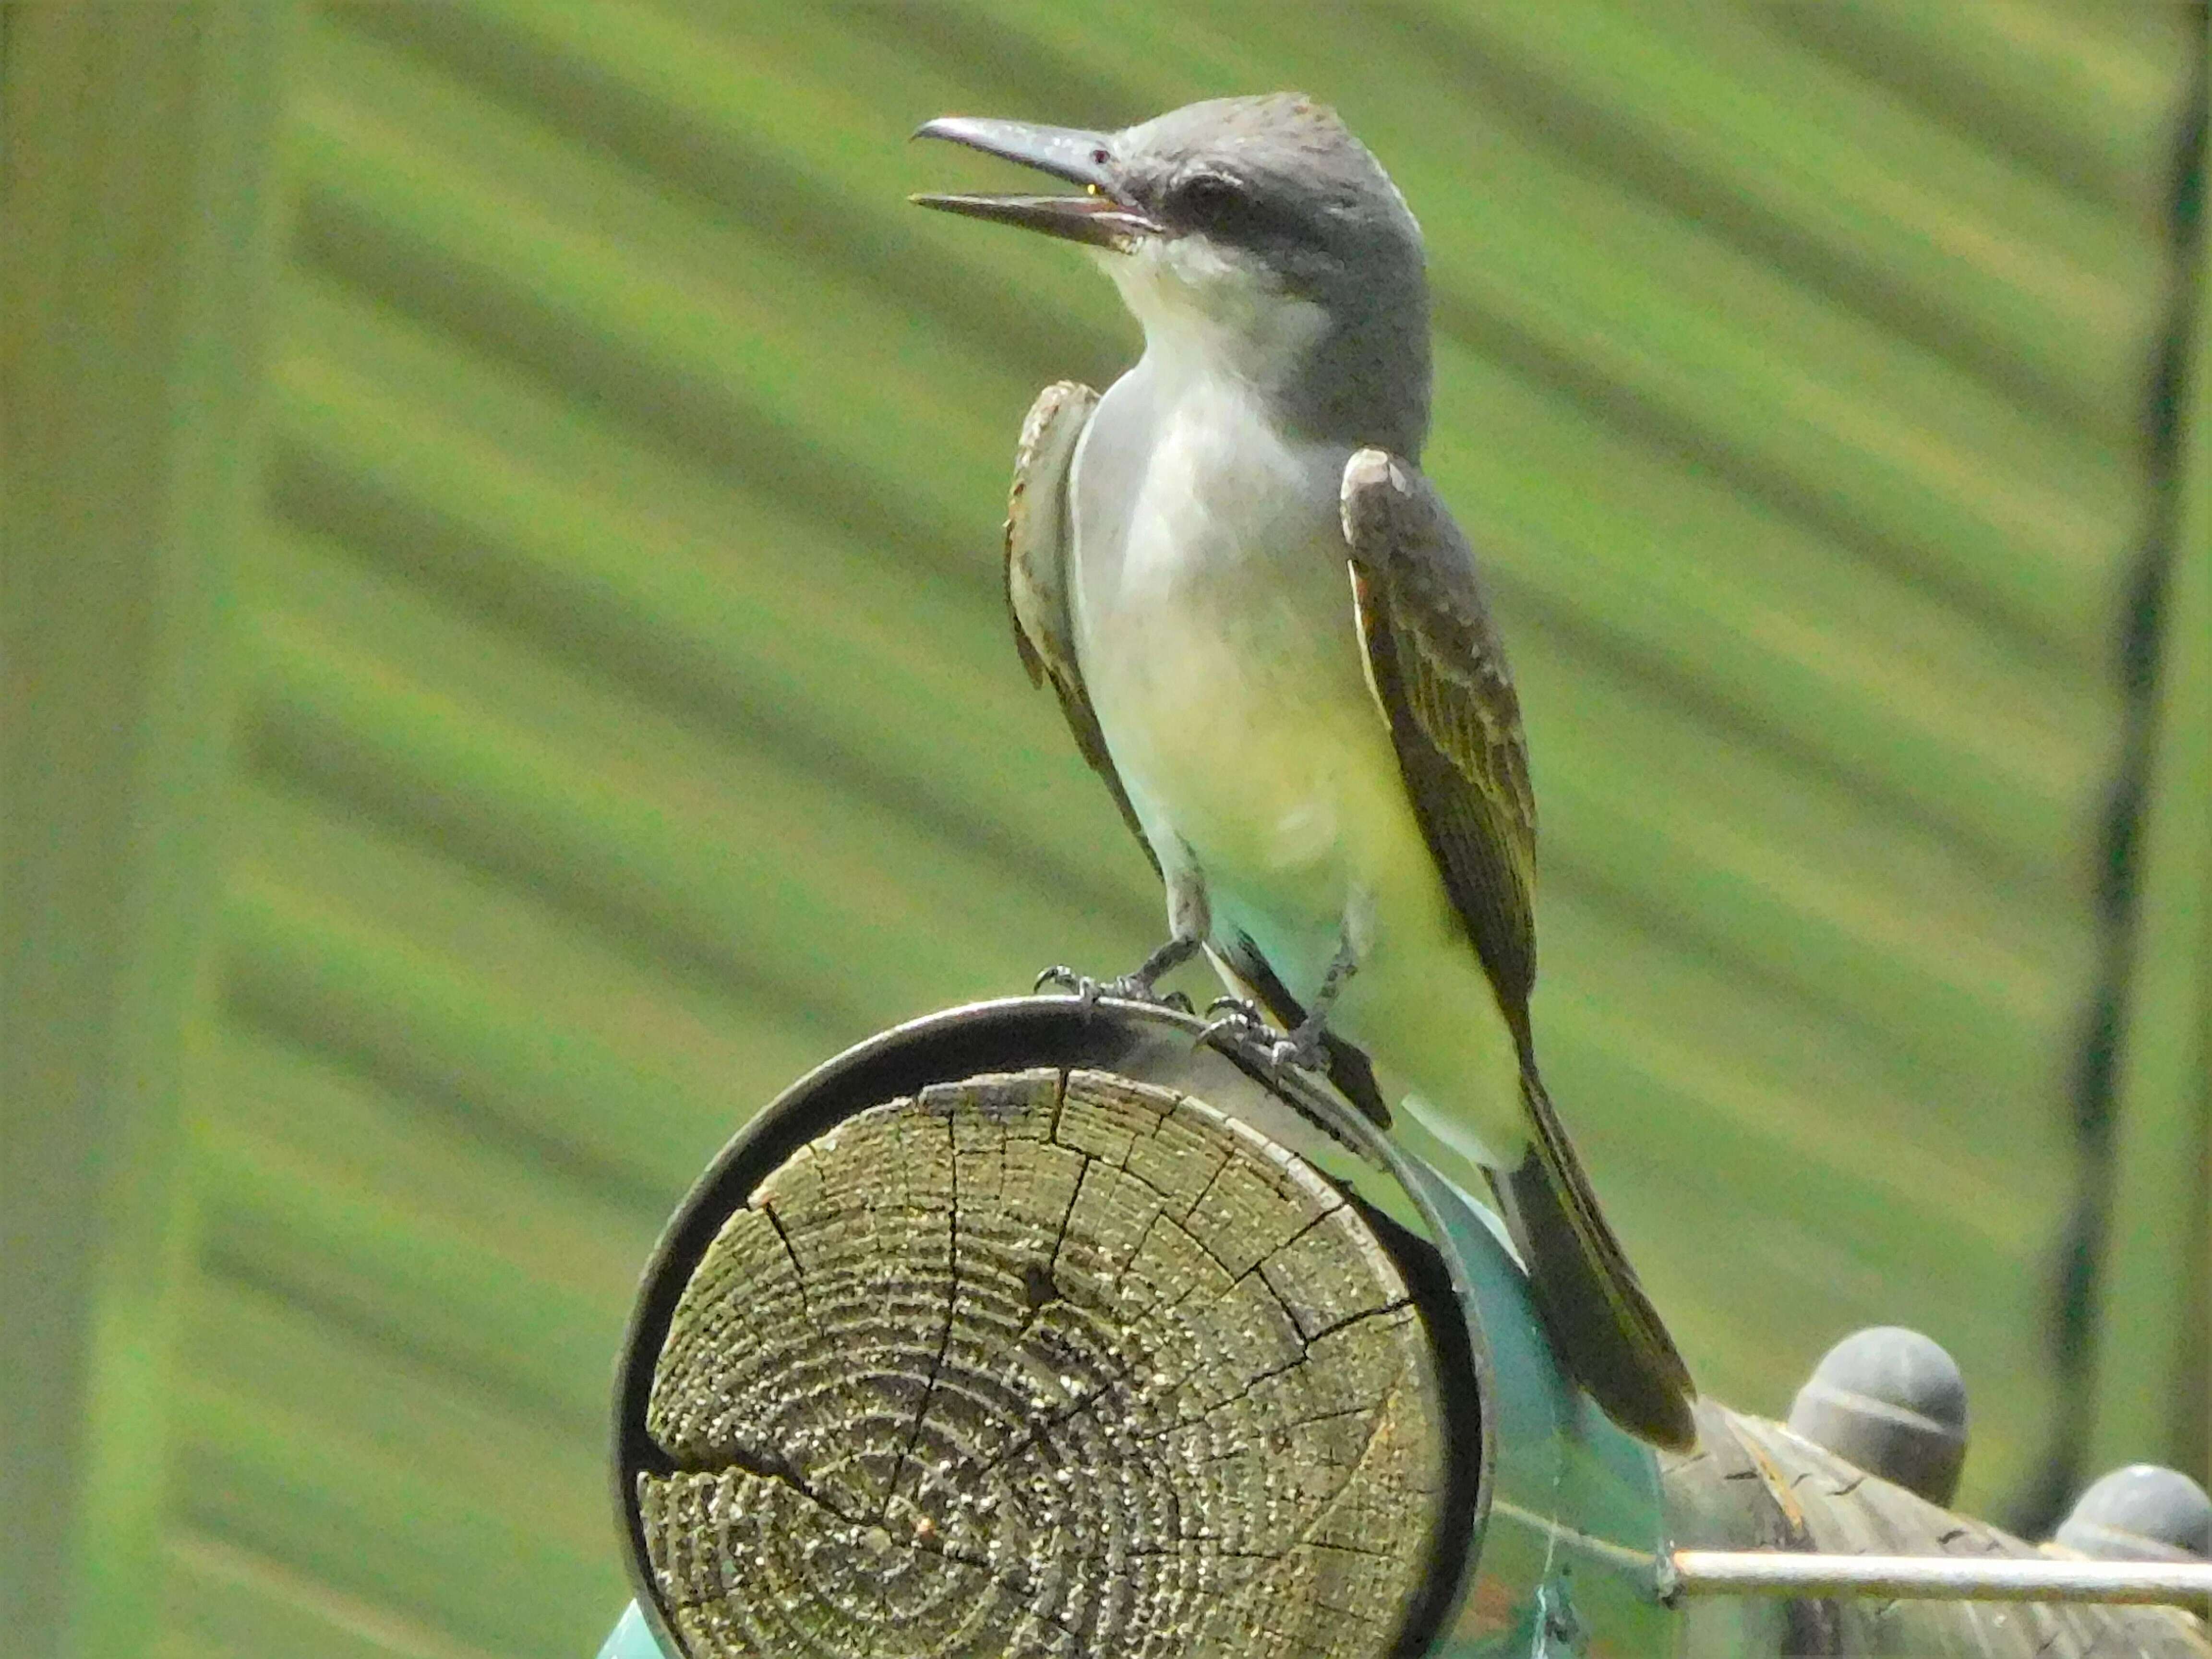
1268,636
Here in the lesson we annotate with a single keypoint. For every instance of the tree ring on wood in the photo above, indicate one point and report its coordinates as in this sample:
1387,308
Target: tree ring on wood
1045,1363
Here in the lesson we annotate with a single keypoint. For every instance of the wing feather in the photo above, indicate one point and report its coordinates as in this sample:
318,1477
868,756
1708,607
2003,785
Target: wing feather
1038,537
1438,669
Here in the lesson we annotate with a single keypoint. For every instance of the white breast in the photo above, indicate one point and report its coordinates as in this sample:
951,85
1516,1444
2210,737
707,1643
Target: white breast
1214,622
1219,644
1223,502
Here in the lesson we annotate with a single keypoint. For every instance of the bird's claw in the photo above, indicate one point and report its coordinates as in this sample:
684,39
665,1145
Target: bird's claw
1129,987
1299,1049
1226,1011
1085,989
1239,1029
1234,1026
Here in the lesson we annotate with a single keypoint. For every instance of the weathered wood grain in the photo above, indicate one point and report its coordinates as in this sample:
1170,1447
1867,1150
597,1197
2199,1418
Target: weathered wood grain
1030,1365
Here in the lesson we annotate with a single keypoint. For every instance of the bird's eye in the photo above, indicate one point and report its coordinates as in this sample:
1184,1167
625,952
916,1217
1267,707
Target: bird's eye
1208,197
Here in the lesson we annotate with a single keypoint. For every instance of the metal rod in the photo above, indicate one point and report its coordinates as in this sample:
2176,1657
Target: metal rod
1936,1577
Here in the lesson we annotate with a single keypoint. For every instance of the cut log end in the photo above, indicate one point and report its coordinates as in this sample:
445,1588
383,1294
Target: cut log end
1036,1364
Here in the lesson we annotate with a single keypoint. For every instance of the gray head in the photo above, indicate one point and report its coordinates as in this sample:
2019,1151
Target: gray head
1255,234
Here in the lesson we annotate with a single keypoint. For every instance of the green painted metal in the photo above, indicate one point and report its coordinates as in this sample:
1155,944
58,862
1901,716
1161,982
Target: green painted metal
632,1638
136,182
630,719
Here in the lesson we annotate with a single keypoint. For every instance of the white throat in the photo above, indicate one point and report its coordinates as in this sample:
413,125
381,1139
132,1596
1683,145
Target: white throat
1210,312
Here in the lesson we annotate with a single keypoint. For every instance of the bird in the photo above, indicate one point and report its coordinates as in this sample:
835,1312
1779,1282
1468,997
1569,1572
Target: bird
1271,640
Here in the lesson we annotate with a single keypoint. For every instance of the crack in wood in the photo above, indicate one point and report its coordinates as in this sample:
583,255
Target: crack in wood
1147,1423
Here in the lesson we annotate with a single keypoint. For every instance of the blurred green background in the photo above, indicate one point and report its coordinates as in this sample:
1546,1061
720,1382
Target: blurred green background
506,667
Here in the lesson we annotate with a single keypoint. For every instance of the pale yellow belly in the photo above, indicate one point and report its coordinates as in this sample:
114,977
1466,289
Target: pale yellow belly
1272,766
1216,626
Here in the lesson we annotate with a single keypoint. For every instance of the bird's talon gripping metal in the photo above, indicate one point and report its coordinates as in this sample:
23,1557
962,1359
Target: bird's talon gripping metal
1241,1034
1063,976
1130,987
1244,1035
1248,1012
1294,1053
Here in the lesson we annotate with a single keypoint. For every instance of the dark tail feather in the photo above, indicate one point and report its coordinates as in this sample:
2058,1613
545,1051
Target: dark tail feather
1603,1326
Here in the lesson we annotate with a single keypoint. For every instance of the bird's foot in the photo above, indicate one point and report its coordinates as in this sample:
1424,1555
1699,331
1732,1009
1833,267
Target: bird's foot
1241,1030
1085,989
1129,987
1303,1048
1234,1017
1065,978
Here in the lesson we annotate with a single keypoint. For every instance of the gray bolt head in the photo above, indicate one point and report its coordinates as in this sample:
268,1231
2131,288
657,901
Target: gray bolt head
1891,1401
2142,1513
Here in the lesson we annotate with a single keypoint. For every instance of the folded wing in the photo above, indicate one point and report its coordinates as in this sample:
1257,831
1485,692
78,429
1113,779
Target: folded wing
1439,674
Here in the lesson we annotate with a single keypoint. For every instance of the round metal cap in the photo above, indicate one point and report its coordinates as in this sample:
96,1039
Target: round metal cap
1891,1401
2143,1512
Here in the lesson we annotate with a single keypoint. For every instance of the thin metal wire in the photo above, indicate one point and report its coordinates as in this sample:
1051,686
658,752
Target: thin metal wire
1934,1577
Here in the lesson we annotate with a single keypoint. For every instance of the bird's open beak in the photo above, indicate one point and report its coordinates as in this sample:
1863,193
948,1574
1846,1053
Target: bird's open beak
1097,217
